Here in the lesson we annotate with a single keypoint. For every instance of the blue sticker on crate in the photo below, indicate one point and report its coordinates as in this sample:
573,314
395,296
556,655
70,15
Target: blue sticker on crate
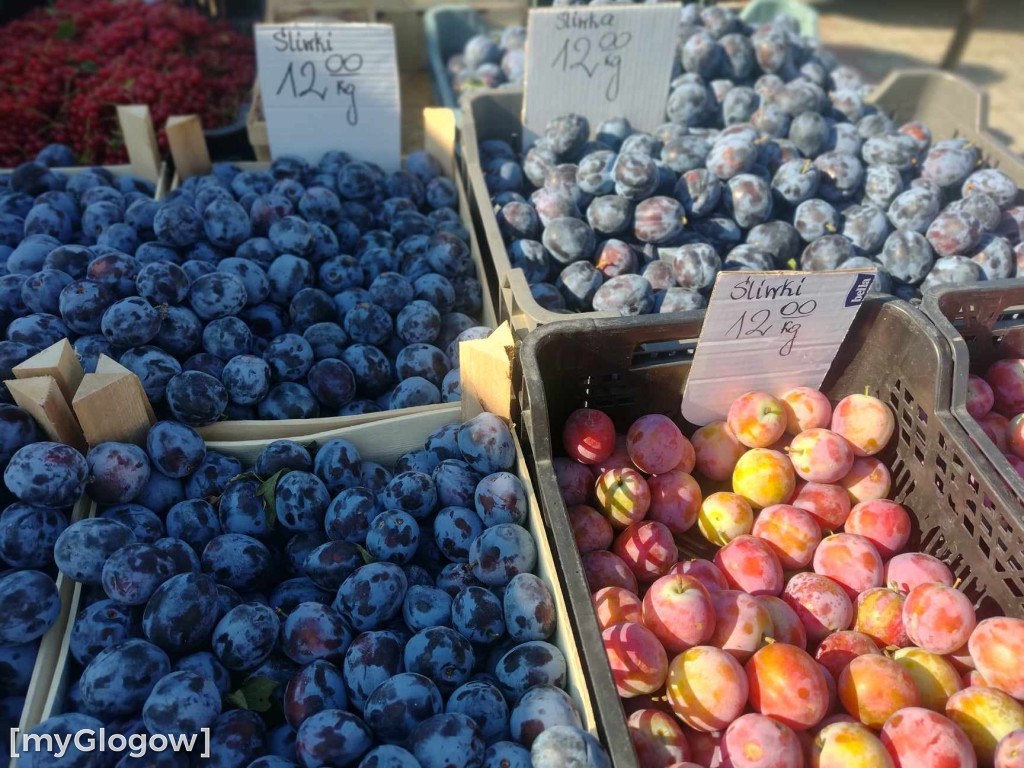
859,290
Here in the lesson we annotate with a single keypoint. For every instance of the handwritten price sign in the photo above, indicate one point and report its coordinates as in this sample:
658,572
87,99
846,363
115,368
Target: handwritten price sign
609,62
328,87
769,331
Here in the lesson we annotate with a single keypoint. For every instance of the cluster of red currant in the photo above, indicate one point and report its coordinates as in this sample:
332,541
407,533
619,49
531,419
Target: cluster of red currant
67,65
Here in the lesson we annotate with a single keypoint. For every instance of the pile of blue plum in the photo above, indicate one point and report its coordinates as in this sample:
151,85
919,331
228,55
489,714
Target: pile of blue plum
296,292
771,159
37,509
486,62
316,609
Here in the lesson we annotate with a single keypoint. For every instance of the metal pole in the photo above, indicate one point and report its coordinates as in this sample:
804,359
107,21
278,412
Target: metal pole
968,18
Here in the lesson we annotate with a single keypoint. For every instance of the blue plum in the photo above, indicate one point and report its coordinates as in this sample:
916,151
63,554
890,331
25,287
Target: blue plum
401,703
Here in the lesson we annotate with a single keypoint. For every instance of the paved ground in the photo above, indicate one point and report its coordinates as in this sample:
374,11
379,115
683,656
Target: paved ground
879,35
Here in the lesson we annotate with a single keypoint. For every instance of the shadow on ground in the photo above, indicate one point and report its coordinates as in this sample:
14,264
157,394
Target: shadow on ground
876,64
1003,15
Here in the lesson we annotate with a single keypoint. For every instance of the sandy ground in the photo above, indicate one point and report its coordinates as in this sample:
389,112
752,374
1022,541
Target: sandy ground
880,35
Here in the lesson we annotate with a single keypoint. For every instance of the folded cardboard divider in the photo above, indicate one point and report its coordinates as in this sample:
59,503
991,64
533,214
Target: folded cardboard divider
82,409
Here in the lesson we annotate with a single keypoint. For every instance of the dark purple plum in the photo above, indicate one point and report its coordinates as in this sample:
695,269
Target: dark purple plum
447,741
181,703
393,537
501,498
28,535
907,256
426,606
29,606
245,636
117,472
329,564
562,745
540,708
501,552
954,233
315,631
47,474
237,561
372,595
440,654
337,464
815,218
83,547
477,615
349,514
372,659
529,608
401,703
119,679
99,626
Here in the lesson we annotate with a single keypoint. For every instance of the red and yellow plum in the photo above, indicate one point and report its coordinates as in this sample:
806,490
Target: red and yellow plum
764,477
717,450
742,624
938,618
820,603
884,523
622,496
655,444
873,687
679,611
675,500
865,421
867,480
787,685
757,419
723,516
648,550
820,456
829,505
637,658
615,605
806,408
791,532
851,561
707,688
588,436
749,564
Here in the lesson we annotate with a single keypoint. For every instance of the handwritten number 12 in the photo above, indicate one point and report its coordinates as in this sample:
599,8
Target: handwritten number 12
576,54
306,71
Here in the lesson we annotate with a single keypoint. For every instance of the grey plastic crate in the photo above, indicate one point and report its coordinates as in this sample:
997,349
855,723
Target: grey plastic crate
763,11
982,323
949,105
448,28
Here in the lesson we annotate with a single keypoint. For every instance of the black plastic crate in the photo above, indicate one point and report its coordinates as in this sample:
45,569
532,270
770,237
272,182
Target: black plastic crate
962,512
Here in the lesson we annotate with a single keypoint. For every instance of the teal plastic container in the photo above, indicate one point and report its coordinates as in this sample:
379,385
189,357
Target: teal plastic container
448,28
762,11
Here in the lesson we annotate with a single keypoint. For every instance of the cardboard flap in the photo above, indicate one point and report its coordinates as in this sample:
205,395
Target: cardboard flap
485,374
140,140
58,361
188,145
439,137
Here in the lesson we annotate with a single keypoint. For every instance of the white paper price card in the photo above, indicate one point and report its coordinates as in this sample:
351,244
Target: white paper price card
769,332
330,87
600,62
